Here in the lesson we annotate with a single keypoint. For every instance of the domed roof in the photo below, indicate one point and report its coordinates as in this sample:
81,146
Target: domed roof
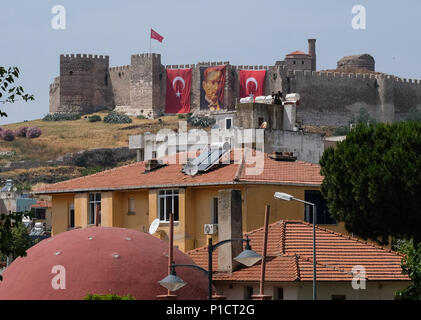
99,260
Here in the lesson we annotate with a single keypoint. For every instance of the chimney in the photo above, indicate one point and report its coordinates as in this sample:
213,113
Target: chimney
312,53
153,164
230,226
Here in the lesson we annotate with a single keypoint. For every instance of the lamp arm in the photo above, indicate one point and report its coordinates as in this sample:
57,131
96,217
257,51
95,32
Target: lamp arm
192,266
306,202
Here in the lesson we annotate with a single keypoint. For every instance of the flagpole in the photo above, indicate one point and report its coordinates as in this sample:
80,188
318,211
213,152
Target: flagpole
150,44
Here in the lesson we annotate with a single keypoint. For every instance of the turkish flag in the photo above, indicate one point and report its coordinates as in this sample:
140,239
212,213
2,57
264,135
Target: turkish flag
251,83
177,98
155,35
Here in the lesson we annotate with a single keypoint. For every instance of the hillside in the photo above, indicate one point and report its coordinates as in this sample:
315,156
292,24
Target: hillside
61,137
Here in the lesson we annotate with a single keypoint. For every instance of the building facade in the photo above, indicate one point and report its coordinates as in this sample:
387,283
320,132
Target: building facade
135,195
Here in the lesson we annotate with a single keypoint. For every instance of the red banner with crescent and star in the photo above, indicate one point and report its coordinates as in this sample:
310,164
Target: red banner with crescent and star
178,91
251,83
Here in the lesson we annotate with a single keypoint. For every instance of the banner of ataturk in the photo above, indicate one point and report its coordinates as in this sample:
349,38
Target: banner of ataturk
178,91
252,83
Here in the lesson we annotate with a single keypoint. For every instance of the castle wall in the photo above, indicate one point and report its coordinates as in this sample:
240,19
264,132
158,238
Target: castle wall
120,82
333,98
407,96
55,95
85,84
146,84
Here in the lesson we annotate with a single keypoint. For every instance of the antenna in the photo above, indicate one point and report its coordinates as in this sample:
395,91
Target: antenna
154,226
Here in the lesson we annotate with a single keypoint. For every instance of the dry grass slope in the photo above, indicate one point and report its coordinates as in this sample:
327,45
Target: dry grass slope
60,137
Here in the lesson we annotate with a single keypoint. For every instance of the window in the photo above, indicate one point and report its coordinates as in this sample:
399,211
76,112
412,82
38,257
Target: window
131,206
302,62
228,123
294,61
40,214
214,208
94,202
323,215
338,297
260,121
168,203
278,293
248,292
71,216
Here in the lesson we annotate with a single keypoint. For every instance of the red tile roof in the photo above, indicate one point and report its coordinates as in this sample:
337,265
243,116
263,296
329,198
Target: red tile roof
239,171
296,53
42,204
290,256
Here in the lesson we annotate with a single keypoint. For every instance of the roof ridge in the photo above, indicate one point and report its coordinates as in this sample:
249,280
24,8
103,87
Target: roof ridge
297,267
282,237
349,237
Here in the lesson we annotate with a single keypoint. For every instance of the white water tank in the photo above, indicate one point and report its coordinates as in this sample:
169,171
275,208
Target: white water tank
246,100
292,97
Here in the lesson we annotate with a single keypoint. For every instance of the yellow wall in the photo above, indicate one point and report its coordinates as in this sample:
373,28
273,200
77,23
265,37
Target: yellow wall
195,205
81,209
60,212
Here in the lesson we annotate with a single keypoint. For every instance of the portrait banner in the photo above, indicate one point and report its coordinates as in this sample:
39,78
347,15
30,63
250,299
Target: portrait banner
177,98
252,83
212,83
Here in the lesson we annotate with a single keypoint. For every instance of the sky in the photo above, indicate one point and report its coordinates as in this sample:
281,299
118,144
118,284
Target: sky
243,32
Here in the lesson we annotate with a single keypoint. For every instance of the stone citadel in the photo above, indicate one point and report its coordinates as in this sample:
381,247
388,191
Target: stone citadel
87,84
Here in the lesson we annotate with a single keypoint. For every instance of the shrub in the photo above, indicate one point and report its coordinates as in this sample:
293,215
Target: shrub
33,132
198,121
8,135
94,118
141,117
62,116
21,132
117,117
181,116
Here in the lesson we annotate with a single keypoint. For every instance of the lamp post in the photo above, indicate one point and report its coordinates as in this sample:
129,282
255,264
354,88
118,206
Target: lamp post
288,197
247,257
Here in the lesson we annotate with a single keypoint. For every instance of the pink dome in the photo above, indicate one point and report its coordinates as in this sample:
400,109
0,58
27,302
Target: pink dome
99,260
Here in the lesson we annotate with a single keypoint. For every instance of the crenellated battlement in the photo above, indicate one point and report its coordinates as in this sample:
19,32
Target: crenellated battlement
260,67
146,55
119,68
74,56
329,75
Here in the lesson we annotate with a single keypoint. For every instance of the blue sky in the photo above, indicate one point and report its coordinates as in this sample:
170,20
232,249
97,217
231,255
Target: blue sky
242,32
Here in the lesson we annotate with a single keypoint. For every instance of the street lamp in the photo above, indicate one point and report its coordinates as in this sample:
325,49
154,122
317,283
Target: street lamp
288,197
248,257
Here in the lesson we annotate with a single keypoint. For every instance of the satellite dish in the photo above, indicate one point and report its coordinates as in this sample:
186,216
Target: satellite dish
154,226
190,169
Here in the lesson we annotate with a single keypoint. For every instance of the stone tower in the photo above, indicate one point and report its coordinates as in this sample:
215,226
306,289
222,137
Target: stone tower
359,61
312,53
85,84
147,84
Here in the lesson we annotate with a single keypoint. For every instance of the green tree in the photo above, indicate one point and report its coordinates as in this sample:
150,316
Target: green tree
372,181
411,266
14,238
9,92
